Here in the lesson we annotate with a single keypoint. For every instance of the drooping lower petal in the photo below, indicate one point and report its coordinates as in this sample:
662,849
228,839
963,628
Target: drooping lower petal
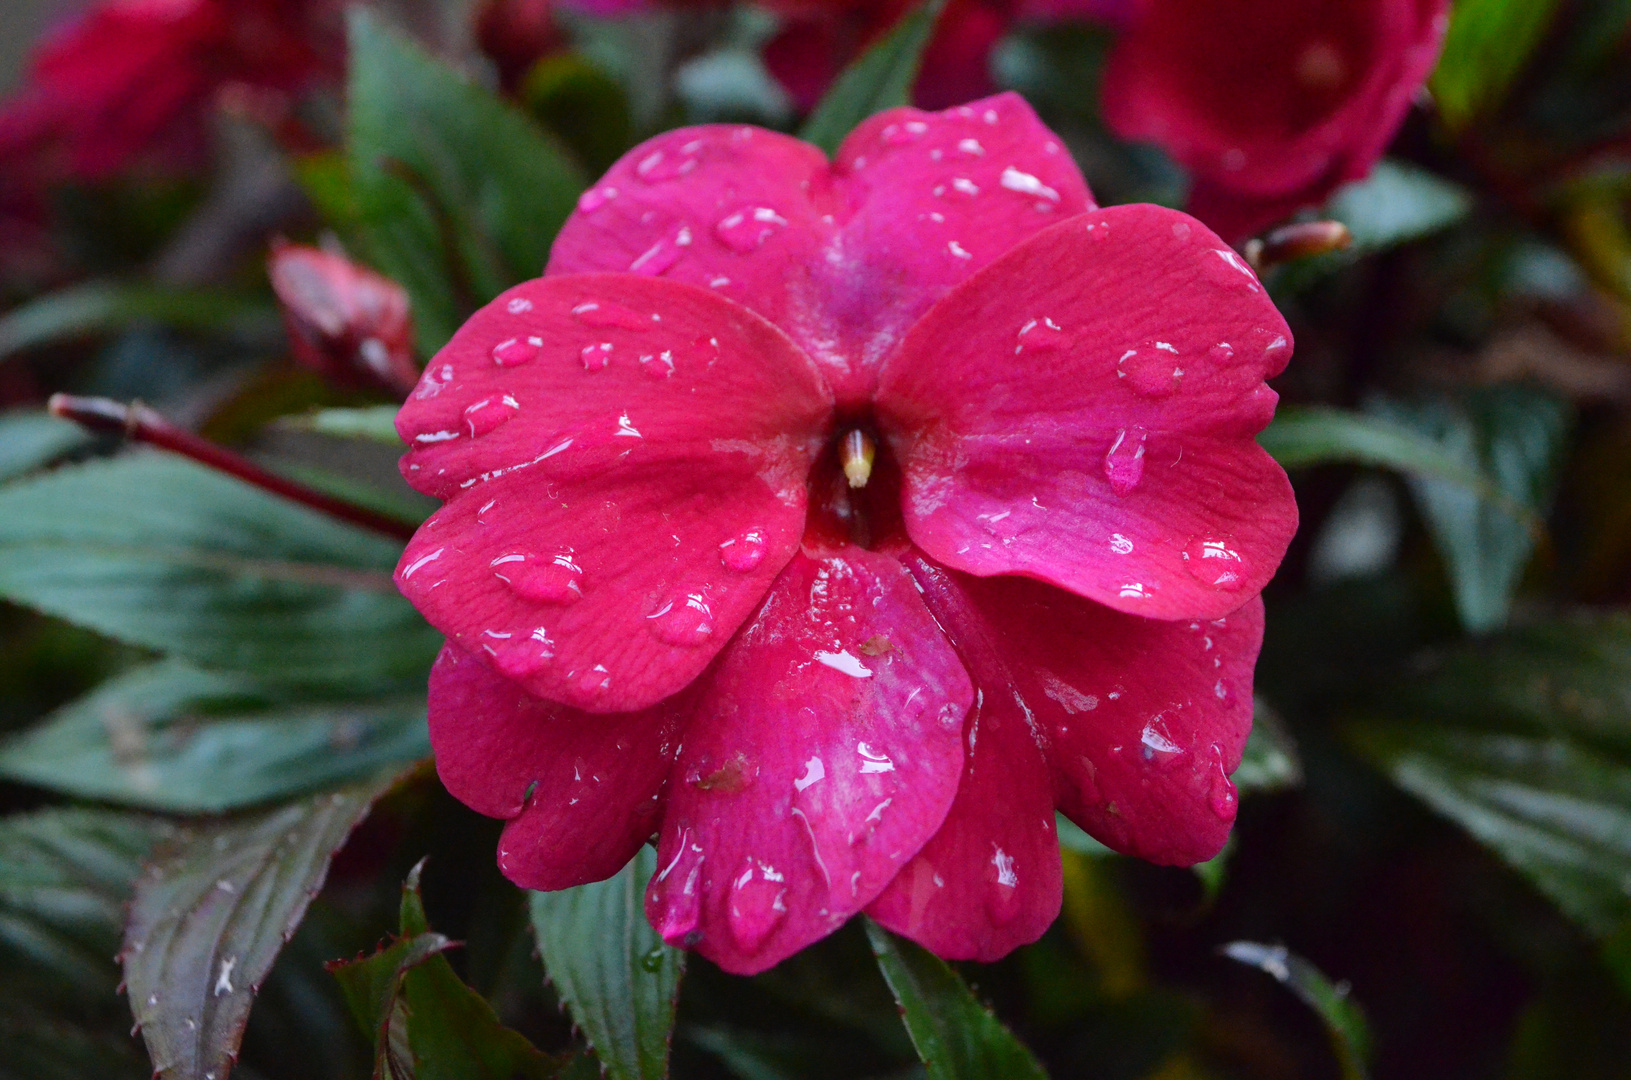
1145,719
615,508
1084,411
825,750
990,879
844,258
581,791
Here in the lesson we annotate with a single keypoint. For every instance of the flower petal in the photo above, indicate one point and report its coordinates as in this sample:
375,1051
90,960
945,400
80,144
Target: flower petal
604,542
843,258
1084,411
581,791
1146,719
825,751
990,879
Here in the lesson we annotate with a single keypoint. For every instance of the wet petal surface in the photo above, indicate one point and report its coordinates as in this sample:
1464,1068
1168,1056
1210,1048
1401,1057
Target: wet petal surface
826,750
1084,412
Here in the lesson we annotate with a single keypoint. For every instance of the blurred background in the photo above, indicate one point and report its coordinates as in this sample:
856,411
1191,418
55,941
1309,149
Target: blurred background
1433,855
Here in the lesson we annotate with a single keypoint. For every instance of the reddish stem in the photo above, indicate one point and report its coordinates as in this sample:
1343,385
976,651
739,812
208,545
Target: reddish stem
137,421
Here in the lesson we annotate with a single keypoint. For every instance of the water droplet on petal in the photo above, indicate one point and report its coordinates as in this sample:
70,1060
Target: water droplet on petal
521,655
489,414
747,229
687,620
658,365
604,313
1124,461
663,165
556,580
1040,335
657,259
757,905
596,357
1152,371
1002,900
595,198
516,351
1222,795
901,134
744,552
1215,562
1156,743
1221,354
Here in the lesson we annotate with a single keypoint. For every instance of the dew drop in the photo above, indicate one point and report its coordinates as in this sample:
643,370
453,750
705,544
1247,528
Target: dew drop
604,313
658,365
1152,371
747,229
516,351
1002,901
1221,354
595,198
489,414
1124,461
556,580
660,166
1222,795
659,257
1215,562
758,904
686,621
1040,335
652,960
520,656
1156,742
744,552
901,134
592,682
596,357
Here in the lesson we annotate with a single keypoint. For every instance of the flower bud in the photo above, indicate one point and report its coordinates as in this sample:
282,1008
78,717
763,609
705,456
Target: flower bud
346,322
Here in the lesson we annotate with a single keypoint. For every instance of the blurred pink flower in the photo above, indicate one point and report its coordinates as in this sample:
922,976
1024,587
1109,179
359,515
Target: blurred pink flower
1270,105
668,611
345,321
131,79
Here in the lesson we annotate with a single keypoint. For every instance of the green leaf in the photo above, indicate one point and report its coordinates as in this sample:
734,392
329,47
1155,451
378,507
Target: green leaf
1557,812
1488,44
39,1046
1072,837
376,423
880,78
1269,761
65,877
211,914
1514,438
29,440
159,552
956,1037
611,969
424,1021
583,106
100,306
1343,1019
1395,204
1303,436
170,737
459,194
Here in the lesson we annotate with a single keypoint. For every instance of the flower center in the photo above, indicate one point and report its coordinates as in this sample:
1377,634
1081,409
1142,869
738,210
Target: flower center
855,489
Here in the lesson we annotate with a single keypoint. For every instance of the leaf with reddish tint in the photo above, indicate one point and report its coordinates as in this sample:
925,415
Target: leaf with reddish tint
210,916
424,1021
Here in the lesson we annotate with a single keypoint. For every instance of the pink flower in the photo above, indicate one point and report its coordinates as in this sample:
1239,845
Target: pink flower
668,612
134,77
1270,105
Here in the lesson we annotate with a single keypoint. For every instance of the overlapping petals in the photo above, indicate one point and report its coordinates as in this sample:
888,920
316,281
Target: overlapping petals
1270,105
666,613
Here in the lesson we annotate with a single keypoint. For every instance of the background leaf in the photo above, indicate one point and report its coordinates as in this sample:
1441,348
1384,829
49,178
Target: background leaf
170,737
1349,1035
100,306
1514,437
211,914
29,440
881,78
159,552
1488,44
1397,203
376,423
611,968
956,1037
425,1022
459,194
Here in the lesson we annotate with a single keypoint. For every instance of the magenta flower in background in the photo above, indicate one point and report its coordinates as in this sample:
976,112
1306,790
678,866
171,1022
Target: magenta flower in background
132,78
1271,106
667,611
344,321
